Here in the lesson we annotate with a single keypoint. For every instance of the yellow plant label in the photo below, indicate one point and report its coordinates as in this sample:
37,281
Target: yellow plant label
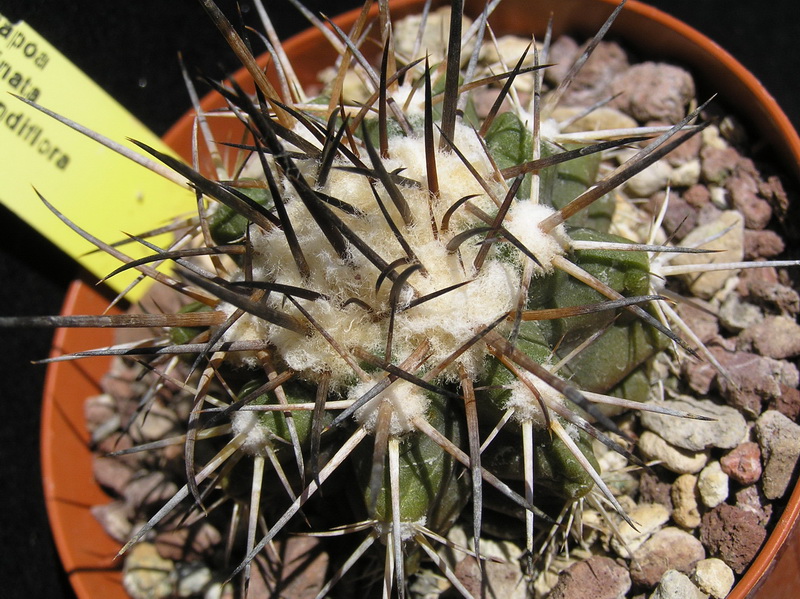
102,192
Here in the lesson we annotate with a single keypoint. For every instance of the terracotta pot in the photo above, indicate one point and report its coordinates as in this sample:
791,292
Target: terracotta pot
87,553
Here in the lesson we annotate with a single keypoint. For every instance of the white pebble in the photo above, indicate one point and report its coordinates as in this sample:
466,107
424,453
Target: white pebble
649,517
719,197
711,137
680,461
147,575
193,579
652,179
713,576
218,590
712,483
675,585
685,175
725,234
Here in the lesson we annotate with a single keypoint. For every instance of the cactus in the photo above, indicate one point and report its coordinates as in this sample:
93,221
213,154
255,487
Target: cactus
394,281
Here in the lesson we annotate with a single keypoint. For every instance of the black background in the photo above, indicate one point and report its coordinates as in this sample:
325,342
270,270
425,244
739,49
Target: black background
130,49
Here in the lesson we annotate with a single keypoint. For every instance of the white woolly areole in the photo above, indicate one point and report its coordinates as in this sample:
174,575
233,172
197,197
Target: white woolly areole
416,105
549,128
258,436
523,223
246,328
408,529
407,402
445,323
526,405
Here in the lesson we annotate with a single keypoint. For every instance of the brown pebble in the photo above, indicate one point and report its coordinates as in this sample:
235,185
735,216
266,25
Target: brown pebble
502,577
598,577
98,410
117,442
654,490
112,474
762,244
756,210
753,379
651,91
152,489
697,196
772,189
775,337
704,323
787,403
592,81
751,499
762,285
783,297
120,382
756,276
563,52
699,376
717,163
669,549
188,543
733,535
680,216
743,463
687,151
301,573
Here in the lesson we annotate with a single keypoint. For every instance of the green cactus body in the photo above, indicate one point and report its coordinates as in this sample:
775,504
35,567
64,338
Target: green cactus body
179,335
227,225
431,489
271,426
628,342
556,469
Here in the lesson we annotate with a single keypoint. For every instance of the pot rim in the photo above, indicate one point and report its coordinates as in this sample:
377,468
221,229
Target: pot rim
87,553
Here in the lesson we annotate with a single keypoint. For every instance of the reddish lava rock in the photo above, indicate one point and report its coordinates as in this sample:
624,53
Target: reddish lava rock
718,163
787,403
598,577
733,535
653,490
762,244
652,91
775,337
743,464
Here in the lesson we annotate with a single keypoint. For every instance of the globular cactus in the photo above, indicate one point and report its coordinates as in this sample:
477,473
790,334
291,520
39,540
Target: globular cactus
395,283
